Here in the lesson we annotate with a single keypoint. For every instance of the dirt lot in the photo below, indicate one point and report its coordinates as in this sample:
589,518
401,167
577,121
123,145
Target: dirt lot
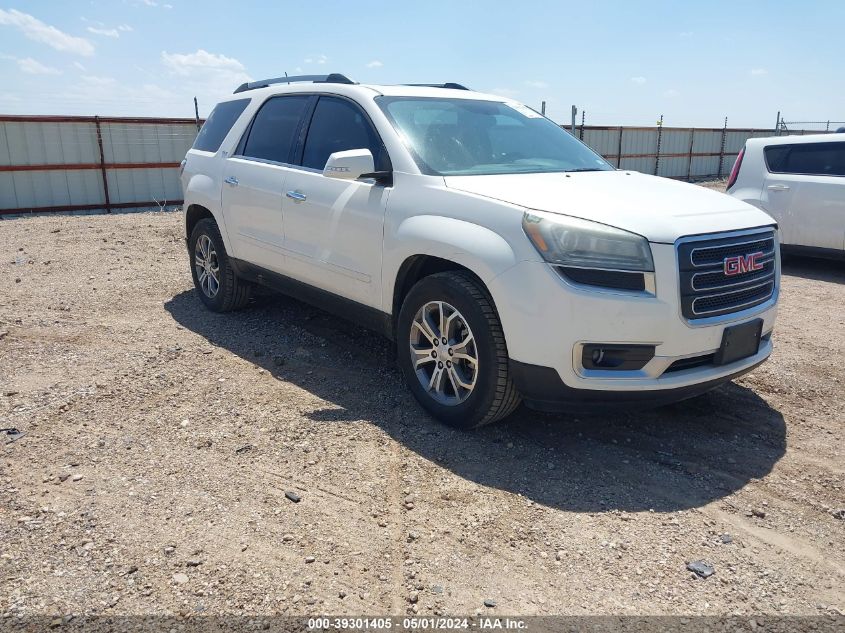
160,439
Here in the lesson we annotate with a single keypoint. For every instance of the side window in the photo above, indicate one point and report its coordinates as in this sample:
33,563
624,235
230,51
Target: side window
818,159
776,158
339,125
272,135
218,124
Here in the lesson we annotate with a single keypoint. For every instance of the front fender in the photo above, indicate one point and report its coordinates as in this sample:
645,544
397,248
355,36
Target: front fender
475,247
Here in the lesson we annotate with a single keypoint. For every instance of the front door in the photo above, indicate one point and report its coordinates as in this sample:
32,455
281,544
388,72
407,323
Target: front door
334,229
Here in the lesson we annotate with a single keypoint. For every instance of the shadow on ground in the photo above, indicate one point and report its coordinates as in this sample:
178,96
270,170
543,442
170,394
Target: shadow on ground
832,270
677,457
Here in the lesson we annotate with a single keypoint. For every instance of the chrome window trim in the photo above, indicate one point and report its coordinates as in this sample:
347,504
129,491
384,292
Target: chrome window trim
263,161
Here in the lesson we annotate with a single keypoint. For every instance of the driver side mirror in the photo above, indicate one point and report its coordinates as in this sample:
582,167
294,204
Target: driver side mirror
349,165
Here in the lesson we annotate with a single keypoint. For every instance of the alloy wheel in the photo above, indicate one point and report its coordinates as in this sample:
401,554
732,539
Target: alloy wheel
443,353
207,266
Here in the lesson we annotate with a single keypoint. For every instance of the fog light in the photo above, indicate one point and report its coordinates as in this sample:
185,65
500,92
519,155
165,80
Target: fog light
612,357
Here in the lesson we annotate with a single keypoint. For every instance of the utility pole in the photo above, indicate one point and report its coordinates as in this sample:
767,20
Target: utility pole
574,114
197,113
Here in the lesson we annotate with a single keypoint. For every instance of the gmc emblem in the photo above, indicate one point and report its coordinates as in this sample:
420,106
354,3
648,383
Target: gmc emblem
742,264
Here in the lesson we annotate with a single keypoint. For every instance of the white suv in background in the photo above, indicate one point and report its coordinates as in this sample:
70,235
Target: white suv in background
506,259
800,181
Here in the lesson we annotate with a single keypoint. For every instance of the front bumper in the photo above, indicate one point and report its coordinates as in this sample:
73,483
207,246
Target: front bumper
547,320
542,389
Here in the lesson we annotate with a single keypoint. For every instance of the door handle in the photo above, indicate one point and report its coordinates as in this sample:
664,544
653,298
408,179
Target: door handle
231,180
298,196
778,187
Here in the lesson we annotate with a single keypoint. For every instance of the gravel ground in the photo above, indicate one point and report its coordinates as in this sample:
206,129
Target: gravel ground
162,445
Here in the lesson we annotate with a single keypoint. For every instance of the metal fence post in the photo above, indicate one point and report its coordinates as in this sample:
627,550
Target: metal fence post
777,125
103,164
689,162
619,151
659,139
722,149
197,113
581,133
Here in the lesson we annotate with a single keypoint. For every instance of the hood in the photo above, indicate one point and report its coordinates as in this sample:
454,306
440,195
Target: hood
659,209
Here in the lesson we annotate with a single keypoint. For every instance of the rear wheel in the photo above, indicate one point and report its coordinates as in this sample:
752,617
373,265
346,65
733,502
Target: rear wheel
219,288
452,351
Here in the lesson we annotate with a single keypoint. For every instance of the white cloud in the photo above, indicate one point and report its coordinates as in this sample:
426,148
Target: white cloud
537,84
150,3
671,93
167,6
207,75
316,59
38,31
93,80
759,71
105,95
33,67
202,60
375,64
638,80
125,28
79,66
104,32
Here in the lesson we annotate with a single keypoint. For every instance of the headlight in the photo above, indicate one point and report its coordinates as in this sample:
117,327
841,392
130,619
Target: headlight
577,243
592,254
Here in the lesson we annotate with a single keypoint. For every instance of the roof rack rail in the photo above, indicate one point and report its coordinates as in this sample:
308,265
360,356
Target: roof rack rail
449,84
332,78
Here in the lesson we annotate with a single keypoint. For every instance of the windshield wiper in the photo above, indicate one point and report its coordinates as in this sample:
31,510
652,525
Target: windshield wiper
584,169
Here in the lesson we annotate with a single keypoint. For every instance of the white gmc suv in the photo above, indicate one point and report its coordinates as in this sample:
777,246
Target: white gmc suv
507,260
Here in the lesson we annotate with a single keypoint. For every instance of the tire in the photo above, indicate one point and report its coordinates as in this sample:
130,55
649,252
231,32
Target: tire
232,293
493,395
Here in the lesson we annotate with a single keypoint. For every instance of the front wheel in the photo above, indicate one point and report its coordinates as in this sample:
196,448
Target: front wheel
452,351
218,286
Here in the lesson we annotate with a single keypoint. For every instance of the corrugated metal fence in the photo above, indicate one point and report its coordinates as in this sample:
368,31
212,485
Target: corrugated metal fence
62,163
673,152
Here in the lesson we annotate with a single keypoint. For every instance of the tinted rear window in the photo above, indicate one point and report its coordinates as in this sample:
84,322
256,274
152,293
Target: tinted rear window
218,124
817,159
273,132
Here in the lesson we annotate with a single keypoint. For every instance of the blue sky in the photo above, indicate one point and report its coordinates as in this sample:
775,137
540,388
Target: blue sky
621,62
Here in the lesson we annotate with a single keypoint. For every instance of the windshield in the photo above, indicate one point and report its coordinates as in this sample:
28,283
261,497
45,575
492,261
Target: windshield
460,137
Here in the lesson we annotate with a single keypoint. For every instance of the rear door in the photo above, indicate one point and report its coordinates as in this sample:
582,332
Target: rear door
254,179
805,192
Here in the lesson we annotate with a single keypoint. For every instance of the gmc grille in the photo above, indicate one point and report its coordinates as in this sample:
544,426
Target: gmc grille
706,291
